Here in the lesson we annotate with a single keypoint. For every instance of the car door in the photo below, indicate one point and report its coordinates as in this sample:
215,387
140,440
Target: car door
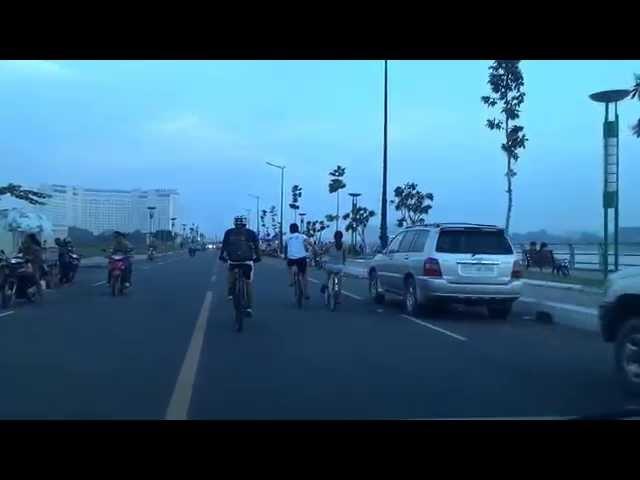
400,261
384,265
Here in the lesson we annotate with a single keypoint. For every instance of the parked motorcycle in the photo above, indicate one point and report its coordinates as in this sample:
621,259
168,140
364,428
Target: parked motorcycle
17,280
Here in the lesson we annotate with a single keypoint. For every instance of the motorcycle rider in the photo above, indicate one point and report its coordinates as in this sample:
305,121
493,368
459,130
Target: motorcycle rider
240,244
122,247
31,249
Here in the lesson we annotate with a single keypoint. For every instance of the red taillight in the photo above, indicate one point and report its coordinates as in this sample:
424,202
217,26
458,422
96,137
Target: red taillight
516,273
432,268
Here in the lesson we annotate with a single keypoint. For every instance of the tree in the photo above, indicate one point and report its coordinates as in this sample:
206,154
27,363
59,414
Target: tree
163,235
263,223
412,204
296,194
507,83
335,185
30,196
358,221
635,93
275,224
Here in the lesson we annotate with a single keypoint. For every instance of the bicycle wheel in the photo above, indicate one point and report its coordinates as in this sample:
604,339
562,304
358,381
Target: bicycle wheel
239,302
298,292
332,292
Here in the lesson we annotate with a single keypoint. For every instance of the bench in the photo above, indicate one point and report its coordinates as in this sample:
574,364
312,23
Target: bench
546,259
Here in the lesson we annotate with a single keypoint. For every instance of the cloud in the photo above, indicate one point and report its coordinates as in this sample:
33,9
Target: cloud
34,67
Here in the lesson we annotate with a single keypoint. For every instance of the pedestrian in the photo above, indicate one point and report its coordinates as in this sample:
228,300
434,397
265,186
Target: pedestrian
31,248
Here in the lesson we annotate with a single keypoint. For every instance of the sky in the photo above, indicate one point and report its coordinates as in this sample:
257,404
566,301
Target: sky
208,127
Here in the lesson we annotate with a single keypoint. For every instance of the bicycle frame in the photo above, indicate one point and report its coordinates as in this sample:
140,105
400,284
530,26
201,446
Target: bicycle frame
240,300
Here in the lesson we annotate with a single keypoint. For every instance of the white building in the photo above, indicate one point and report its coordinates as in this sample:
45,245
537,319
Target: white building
99,210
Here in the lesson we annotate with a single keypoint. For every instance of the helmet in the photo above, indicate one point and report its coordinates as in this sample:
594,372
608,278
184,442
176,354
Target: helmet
240,221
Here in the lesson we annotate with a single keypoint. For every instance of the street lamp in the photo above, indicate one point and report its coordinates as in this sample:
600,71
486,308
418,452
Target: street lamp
257,197
151,214
354,205
281,167
173,226
611,169
384,236
248,210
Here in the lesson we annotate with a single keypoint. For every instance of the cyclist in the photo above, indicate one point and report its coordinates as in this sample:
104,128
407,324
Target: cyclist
336,258
295,252
240,244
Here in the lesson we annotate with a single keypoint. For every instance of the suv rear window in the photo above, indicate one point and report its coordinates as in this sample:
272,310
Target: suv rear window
487,242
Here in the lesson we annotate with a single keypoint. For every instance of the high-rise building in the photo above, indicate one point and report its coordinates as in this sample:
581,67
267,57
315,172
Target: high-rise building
99,210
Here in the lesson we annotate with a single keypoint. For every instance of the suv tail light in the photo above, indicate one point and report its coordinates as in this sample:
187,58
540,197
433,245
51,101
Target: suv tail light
432,268
516,273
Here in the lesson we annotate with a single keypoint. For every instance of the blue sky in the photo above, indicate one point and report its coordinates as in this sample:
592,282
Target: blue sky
207,128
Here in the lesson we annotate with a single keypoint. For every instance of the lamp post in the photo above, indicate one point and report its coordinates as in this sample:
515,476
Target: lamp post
281,167
173,226
151,214
384,236
610,194
354,205
257,197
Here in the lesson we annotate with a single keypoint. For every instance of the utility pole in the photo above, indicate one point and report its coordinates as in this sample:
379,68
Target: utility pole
384,236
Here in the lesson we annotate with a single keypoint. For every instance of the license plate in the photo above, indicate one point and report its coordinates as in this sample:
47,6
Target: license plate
482,270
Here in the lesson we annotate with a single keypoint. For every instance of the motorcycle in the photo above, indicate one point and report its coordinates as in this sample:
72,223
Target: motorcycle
151,254
69,262
117,267
192,251
18,280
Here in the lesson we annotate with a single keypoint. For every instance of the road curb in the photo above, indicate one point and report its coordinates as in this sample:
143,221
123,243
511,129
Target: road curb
563,286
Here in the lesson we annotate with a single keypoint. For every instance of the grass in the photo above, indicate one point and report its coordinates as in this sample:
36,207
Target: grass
593,280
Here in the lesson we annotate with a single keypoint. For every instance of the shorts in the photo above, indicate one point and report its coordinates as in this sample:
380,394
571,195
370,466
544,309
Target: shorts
301,263
245,268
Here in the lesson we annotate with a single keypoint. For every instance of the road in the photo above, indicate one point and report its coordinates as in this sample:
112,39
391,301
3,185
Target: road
167,350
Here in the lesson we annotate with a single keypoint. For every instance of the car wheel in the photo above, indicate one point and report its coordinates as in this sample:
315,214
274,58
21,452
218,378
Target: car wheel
499,311
374,288
410,299
627,356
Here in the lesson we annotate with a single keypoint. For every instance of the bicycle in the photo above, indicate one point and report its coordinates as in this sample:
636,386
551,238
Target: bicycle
333,290
297,287
240,298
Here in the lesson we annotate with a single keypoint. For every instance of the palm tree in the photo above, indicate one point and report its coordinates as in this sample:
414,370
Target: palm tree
335,185
635,93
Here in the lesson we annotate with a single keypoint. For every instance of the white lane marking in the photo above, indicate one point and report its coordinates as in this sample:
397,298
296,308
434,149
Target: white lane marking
575,308
161,263
181,398
348,294
441,330
6,313
99,283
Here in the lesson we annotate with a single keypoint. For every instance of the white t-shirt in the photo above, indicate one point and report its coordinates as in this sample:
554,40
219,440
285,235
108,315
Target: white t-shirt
295,246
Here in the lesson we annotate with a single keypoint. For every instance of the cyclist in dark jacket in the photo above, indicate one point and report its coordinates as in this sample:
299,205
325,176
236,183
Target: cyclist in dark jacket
240,244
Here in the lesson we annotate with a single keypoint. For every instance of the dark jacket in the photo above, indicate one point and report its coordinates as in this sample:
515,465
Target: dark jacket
229,238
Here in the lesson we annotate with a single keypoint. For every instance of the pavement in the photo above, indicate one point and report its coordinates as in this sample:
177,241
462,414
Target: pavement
167,350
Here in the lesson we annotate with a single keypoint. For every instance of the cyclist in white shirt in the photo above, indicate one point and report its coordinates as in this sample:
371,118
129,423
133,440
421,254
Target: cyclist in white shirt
295,252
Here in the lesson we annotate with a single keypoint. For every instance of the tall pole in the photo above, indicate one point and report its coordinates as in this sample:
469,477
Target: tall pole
384,237
616,213
281,167
257,197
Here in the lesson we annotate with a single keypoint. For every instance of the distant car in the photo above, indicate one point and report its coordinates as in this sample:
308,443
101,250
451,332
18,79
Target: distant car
430,266
619,316
210,246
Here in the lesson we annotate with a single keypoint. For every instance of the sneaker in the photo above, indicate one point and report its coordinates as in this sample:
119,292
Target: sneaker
249,313
127,285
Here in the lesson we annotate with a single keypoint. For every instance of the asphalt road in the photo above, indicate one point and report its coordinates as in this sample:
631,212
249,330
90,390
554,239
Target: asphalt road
168,350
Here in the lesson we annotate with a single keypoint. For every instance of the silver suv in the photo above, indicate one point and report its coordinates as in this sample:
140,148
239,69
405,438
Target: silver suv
432,265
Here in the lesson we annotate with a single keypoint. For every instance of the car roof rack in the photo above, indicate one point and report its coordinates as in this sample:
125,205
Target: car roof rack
461,224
